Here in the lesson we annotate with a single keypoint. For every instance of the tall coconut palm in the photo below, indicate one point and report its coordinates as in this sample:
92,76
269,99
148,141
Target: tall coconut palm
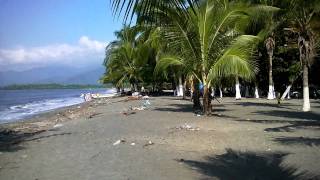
270,45
301,16
209,44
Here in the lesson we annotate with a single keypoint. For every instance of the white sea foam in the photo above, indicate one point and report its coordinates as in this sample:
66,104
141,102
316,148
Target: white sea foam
17,112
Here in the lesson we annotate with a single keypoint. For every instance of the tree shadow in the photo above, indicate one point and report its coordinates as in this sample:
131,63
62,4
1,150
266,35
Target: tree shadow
261,104
10,141
245,165
291,127
176,108
291,114
189,108
267,121
298,141
297,120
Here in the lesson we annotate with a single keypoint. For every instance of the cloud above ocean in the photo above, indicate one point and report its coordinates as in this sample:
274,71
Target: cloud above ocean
84,51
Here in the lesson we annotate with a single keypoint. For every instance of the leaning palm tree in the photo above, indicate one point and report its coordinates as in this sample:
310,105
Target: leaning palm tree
301,16
209,44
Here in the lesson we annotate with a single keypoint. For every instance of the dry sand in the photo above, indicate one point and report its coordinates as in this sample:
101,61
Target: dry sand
247,139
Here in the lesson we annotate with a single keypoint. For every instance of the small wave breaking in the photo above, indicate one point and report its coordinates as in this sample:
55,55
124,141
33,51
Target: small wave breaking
17,112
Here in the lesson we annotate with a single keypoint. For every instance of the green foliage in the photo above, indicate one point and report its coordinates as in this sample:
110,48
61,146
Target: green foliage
208,43
211,40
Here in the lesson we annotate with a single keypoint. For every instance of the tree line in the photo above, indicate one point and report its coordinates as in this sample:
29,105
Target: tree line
203,46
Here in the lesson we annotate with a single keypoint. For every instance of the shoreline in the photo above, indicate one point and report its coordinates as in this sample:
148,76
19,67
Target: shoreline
45,120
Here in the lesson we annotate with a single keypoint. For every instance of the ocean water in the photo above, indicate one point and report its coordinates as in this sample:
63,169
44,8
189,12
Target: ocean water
16,105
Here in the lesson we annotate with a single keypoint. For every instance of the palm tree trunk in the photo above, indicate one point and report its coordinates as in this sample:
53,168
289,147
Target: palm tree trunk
238,94
184,89
206,101
286,92
271,94
306,100
247,92
191,89
196,95
213,92
256,92
180,87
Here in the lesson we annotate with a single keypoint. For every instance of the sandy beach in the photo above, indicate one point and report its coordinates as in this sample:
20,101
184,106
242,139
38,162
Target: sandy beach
114,139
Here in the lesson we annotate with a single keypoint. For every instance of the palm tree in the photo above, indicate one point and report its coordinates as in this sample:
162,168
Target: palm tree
208,43
126,57
301,16
270,45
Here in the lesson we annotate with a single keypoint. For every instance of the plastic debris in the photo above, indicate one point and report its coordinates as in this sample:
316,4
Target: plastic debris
135,94
132,144
119,141
145,97
146,103
87,97
188,127
57,125
139,108
149,143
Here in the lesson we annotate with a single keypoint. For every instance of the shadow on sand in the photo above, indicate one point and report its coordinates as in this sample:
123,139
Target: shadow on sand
10,141
246,166
176,108
298,120
261,104
295,120
291,114
216,111
298,141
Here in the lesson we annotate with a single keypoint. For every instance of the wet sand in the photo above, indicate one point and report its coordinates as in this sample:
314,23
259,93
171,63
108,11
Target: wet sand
246,139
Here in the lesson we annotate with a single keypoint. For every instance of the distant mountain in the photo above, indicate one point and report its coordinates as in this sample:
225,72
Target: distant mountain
89,77
57,74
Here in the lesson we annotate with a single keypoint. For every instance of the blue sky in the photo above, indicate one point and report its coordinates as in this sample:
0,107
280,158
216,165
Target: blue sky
37,33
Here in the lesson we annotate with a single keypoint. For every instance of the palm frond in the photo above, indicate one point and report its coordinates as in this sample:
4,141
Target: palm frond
168,60
146,6
237,60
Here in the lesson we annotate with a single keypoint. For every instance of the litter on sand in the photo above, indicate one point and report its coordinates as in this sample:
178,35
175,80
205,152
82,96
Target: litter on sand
119,141
132,144
139,108
145,97
57,125
146,103
149,143
188,127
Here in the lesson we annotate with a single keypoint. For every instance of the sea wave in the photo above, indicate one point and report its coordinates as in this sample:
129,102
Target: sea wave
17,112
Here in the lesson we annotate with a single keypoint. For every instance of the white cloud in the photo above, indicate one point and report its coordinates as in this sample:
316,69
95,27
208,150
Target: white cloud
85,50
